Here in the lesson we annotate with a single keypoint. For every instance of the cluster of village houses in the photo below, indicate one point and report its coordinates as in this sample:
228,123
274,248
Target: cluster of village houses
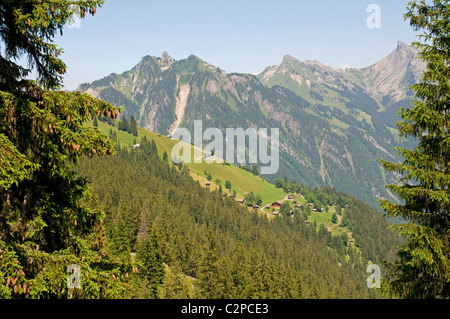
276,206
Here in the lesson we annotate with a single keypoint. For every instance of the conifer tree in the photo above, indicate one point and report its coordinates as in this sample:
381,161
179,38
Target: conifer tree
132,129
293,287
208,277
334,218
153,149
143,225
107,206
41,136
175,284
124,126
240,273
285,209
422,269
120,239
151,259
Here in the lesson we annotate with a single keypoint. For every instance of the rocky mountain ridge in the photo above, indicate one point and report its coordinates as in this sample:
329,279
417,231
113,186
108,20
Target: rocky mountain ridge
334,124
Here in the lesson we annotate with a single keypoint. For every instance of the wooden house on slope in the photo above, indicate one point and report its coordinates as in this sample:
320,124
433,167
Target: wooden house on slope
276,205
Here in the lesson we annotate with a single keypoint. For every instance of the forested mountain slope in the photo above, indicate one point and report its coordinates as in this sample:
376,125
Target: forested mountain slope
226,249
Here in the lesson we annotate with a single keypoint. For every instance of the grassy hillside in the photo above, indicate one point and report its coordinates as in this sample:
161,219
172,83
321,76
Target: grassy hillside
241,181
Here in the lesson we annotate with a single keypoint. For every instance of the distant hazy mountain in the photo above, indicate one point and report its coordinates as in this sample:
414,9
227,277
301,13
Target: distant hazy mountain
386,81
334,124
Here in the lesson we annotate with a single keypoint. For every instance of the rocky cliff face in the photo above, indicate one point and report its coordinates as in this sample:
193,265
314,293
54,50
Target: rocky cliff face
393,75
386,82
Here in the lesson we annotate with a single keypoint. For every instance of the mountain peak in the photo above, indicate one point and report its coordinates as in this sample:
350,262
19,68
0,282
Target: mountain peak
165,55
166,60
288,59
401,45
406,48
193,57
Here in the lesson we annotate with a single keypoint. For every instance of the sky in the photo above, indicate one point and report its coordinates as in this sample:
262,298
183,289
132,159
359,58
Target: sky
244,36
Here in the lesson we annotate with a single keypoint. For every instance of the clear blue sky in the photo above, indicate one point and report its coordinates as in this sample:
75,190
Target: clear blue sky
234,35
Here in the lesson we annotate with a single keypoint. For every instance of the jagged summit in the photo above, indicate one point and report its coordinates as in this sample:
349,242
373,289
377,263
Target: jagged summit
166,60
288,59
390,76
401,46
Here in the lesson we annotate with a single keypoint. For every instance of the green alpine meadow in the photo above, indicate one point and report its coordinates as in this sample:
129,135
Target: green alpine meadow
95,205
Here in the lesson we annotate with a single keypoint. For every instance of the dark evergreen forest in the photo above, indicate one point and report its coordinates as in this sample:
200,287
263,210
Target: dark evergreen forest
199,244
